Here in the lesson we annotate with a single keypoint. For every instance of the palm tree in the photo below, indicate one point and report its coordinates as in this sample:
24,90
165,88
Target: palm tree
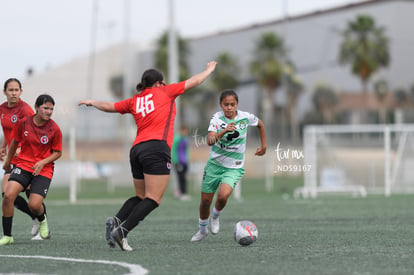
324,100
161,63
402,99
161,56
294,88
267,68
365,47
381,91
224,77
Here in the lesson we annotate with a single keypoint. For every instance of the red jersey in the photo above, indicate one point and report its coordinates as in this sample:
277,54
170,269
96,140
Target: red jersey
37,143
11,115
154,112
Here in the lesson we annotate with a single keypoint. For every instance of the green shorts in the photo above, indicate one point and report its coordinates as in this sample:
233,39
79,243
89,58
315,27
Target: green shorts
215,175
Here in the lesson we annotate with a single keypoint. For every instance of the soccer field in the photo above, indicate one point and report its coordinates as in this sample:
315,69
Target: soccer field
328,235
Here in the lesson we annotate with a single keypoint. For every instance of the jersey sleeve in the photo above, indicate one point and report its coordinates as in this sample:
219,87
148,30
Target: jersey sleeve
214,124
174,90
123,106
253,120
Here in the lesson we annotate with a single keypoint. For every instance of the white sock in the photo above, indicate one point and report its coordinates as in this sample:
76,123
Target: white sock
202,225
216,213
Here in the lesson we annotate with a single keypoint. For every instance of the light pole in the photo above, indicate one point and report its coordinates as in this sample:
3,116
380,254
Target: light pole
173,58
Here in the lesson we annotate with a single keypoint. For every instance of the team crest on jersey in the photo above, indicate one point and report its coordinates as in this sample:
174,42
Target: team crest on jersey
242,125
13,118
44,140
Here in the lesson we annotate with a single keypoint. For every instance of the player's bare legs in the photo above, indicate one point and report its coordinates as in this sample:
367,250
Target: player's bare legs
223,195
205,203
12,191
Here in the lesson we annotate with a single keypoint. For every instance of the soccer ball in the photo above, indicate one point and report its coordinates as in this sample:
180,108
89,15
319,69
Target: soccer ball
245,232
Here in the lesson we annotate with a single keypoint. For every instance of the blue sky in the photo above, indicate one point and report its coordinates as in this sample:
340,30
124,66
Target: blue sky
45,33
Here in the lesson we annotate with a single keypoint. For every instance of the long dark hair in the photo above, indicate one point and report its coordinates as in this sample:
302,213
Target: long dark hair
148,79
11,80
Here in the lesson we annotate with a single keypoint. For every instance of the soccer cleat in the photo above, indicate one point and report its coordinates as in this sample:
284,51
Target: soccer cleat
5,240
44,229
120,240
215,225
110,224
37,237
199,236
35,227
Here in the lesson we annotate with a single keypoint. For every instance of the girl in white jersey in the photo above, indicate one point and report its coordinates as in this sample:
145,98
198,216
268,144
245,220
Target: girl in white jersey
227,134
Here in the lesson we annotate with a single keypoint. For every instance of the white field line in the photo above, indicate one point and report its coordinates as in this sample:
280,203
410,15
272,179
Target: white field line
133,268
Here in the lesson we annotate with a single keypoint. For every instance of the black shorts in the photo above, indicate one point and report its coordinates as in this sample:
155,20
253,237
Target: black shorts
152,157
38,184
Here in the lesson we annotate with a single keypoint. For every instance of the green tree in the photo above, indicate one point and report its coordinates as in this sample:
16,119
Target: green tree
381,91
402,100
224,77
269,58
365,47
161,63
161,56
270,55
294,88
325,99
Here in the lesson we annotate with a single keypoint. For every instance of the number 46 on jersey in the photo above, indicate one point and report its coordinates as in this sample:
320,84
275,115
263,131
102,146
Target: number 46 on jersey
145,105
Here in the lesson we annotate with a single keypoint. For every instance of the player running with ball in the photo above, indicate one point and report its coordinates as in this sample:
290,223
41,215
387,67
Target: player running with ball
227,135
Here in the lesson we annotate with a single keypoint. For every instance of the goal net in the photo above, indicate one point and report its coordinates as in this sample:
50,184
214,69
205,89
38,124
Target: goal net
358,159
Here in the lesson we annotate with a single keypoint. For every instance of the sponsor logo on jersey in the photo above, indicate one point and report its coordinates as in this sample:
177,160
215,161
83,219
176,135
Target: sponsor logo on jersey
44,139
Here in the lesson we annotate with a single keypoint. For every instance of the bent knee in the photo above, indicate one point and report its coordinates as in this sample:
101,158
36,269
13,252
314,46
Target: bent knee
8,199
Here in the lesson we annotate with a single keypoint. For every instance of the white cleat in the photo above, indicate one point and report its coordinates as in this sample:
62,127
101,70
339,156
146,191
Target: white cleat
35,227
37,237
120,239
199,236
215,225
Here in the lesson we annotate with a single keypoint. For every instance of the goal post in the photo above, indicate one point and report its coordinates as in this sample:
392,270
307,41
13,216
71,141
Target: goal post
358,159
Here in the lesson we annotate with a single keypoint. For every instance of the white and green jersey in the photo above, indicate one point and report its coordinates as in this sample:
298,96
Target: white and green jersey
229,151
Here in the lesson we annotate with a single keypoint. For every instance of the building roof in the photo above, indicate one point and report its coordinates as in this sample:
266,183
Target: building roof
298,17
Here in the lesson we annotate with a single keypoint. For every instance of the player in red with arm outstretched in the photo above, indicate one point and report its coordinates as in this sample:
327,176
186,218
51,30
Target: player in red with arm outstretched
153,109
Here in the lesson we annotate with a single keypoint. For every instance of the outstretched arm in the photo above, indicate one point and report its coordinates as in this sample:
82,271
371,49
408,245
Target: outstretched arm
197,79
262,150
105,106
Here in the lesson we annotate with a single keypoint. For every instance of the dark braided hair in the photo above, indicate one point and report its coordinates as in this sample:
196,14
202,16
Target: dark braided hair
149,77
